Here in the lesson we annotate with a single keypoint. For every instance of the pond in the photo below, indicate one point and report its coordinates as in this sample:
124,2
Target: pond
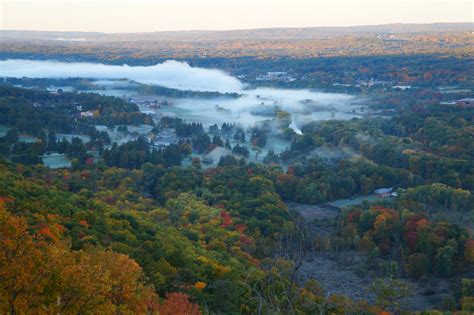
56,160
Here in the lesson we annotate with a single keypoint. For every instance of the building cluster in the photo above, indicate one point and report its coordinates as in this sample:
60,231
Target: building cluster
275,76
150,103
90,113
372,82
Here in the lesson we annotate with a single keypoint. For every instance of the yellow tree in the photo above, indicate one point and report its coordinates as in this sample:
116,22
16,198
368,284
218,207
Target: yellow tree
101,281
42,277
24,270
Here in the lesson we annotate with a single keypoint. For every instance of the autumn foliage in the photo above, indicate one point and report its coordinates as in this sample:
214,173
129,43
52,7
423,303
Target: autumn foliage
41,276
178,304
469,251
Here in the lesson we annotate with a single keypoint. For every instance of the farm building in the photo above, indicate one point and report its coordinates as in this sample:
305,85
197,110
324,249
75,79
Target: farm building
383,192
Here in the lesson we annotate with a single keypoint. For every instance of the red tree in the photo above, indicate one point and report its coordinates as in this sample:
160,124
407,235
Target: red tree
178,304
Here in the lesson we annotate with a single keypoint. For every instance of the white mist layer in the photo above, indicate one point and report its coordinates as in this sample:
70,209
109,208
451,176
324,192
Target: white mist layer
80,39
254,106
259,104
171,74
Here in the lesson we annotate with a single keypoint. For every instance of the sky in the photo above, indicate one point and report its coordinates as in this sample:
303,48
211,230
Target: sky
115,16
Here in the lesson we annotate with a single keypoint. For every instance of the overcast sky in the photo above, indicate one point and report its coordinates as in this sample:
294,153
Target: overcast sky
166,15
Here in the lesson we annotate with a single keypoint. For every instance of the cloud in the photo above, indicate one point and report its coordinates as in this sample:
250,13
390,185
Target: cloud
172,74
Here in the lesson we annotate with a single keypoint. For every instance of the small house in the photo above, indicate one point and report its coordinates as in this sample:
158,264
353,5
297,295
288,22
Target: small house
383,192
88,113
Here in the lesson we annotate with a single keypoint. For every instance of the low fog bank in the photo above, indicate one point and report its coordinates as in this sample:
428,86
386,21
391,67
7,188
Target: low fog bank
171,74
79,39
253,106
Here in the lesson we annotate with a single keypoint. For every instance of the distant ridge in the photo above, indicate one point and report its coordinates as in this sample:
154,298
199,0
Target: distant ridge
245,34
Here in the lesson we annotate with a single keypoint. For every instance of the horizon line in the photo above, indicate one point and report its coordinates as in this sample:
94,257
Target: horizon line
239,29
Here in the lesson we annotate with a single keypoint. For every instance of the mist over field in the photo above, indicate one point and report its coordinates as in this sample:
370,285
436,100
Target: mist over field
253,106
256,105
